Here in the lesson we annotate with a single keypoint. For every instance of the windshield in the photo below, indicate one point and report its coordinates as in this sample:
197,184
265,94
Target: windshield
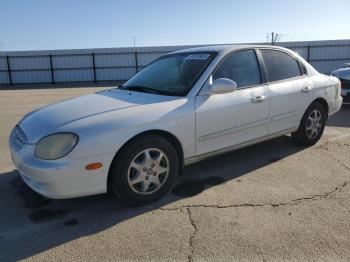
173,74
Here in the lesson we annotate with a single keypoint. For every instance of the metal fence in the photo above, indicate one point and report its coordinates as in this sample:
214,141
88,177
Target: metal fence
119,64
60,68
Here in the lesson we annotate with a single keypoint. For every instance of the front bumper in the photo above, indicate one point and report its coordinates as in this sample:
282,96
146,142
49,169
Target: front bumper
62,178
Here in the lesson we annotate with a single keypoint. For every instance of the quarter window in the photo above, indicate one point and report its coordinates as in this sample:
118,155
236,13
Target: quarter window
280,65
241,67
302,68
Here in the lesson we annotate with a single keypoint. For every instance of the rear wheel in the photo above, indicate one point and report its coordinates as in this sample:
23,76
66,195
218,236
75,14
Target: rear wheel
144,170
311,126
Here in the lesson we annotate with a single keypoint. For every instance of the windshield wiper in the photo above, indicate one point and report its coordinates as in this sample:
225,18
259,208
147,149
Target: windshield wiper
140,88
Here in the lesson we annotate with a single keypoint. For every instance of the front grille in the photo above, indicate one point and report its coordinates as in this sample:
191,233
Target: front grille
18,138
346,99
345,84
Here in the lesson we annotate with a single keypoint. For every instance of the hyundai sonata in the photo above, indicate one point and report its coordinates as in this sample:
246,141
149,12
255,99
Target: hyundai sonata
182,108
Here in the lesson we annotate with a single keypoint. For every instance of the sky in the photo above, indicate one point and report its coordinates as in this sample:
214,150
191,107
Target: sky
70,24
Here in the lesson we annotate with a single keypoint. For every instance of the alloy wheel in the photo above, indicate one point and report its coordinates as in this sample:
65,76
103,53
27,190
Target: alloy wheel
148,171
314,124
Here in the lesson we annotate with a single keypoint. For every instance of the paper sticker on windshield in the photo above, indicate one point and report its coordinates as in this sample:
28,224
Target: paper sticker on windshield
197,56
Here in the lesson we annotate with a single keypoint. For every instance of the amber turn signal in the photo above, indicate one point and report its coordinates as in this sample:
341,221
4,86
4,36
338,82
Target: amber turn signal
93,166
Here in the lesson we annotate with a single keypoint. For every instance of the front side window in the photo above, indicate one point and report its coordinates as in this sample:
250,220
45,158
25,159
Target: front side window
280,65
173,74
241,67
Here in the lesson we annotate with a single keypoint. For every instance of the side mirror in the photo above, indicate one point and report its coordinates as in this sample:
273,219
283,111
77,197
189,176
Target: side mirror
223,85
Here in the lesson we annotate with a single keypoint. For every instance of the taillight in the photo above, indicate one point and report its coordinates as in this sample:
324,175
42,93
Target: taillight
338,90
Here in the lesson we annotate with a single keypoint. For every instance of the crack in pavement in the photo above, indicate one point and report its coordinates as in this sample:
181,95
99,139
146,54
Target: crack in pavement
188,213
324,147
192,236
187,209
339,162
291,202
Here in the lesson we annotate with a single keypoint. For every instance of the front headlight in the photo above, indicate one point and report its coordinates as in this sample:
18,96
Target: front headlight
56,146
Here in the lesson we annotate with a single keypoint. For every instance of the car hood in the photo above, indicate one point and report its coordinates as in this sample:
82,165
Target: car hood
343,73
52,118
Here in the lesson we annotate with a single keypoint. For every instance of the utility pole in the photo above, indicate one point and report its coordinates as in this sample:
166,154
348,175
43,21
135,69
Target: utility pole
135,55
2,48
134,41
274,37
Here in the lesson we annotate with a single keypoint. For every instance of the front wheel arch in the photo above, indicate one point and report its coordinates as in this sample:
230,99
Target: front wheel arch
165,134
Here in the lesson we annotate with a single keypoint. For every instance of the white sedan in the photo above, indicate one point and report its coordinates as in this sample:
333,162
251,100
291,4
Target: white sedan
182,108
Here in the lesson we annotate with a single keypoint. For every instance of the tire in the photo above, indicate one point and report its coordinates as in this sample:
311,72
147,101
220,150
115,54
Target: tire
310,129
137,167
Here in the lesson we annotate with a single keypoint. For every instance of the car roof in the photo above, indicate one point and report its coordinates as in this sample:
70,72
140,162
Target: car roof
224,48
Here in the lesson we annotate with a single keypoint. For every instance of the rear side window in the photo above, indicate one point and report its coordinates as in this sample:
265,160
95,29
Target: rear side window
280,65
241,67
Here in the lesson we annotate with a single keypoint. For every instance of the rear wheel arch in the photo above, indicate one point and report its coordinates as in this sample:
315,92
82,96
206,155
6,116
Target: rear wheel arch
323,102
161,133
316,125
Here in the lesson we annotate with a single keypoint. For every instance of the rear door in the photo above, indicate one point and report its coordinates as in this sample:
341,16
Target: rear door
289,87
224,120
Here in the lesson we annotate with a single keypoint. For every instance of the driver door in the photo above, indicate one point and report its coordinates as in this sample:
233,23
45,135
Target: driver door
229,119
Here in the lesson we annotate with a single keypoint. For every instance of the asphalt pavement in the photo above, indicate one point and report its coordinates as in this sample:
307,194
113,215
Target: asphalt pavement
269,202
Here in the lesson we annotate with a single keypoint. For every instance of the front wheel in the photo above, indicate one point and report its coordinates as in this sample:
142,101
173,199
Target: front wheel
311,126
144,170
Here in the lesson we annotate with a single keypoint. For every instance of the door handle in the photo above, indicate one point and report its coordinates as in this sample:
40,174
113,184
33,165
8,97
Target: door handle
306,89
258,99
